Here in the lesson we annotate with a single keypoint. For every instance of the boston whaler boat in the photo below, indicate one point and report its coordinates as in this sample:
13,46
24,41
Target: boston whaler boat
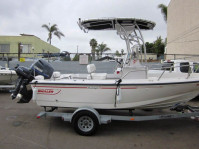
134,88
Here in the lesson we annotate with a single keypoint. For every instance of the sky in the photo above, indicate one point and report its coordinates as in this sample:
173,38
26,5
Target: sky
27,16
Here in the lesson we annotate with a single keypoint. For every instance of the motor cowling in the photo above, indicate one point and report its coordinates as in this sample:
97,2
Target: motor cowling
26,75
43,68
24,72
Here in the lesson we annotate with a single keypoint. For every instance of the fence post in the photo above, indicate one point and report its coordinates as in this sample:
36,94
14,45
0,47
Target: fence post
48,56
8,61
19,50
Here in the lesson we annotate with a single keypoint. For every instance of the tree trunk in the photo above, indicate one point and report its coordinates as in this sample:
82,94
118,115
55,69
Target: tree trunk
93,54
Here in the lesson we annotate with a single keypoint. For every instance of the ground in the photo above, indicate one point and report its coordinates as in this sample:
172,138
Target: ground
21,130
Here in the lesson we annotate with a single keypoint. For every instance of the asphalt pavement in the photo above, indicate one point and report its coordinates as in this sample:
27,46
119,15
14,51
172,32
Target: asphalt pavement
21,130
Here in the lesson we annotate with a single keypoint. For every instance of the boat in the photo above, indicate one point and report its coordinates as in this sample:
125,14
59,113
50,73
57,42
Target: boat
134,88
7,76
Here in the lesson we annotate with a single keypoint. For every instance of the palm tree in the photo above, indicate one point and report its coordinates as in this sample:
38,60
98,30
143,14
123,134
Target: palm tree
102,48
93,44
52,30
163,11
97,53
122,52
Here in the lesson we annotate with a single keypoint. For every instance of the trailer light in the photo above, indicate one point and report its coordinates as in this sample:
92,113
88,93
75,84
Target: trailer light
132,119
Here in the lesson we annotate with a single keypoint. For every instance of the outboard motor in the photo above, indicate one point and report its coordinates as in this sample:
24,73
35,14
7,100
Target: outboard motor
25,76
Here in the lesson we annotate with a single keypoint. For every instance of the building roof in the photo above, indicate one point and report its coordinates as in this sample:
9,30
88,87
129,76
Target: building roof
28,35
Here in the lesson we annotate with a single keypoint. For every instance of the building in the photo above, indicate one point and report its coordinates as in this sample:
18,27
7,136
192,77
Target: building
27,44
183,29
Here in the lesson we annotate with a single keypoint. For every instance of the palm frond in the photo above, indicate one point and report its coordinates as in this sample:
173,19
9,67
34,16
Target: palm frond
163,11
58,34
106,49
103,48
93,43
46,27
53,30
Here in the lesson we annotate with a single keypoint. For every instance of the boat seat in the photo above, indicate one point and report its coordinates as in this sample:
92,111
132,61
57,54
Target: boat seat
56,74
95,76
66,76
98,76
91,68
39,77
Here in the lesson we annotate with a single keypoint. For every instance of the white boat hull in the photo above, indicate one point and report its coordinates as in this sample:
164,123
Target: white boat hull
7,77
137,95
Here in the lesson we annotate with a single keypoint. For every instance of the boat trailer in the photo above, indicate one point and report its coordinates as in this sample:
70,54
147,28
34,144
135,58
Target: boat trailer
85,120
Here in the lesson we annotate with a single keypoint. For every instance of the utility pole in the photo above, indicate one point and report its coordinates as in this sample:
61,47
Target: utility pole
33,50
19,50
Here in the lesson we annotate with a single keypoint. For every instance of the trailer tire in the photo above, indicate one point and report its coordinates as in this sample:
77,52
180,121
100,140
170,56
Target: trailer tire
85,123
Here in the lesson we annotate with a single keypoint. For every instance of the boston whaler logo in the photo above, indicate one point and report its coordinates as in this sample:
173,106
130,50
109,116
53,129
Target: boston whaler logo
48,91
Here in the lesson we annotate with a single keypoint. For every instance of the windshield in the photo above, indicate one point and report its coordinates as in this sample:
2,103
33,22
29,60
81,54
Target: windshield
167,66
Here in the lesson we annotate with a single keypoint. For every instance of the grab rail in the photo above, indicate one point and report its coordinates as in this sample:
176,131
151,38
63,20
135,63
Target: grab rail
161,75
188,73
190,70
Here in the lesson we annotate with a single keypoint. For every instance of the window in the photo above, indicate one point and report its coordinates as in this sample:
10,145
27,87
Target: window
26,48
4,48
184,67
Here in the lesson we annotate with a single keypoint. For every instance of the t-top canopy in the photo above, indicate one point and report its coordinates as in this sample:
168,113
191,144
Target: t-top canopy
109,24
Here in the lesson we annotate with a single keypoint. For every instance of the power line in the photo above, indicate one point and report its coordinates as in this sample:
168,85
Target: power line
183,35
189,34
186,41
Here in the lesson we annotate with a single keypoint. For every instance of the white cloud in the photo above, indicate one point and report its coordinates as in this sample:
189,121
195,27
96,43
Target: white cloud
24,16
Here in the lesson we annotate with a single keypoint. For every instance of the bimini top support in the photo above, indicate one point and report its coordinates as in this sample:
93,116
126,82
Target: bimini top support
129,29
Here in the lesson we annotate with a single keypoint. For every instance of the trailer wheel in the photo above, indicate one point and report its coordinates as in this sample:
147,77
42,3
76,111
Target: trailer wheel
85,123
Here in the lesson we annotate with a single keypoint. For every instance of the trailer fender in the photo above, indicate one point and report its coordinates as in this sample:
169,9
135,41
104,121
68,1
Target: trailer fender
86,109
